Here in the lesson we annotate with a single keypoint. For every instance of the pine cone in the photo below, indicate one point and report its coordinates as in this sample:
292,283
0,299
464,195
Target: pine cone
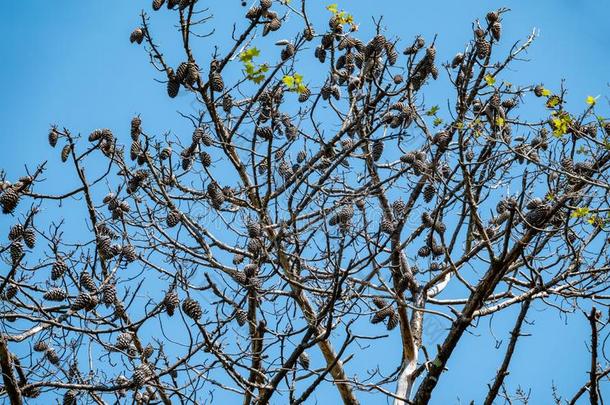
129,253
392,320
377,150
441,139
109,294
428,193
181,72
240,277
399,207
238,258
9,200
58,269
52,356
192,74
87,282
40,346
31,392
424,251
206,159
482,47
253,13
53,137
227,103
141,374
469,155
254,228
492,17
534,203
265,132
380,302
215,194
391,53
10,293
288,52
271,26
65,153
320,54
29,237
457,60
250,270
285,169
325,92
173,218
55,294
183,4
438,250
496,30
192,309
157,4
387,226
206,139
84,301
16,232
148,351
173,87
304,360
136,128
137,35
241,316
382,314
536,216
165,153
16,251
171,301
304,95
255,246
70,397
216,82
123,341
308,33
345,214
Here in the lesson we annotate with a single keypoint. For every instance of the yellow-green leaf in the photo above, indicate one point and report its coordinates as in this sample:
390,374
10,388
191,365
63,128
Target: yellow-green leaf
553,101
580,212
288,81
591,100
546,92
490,80
333,8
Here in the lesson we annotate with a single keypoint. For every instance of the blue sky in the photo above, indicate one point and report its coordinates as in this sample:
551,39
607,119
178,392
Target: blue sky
71,63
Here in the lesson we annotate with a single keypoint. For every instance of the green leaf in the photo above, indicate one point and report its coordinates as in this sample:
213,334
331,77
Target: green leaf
546,92
432,111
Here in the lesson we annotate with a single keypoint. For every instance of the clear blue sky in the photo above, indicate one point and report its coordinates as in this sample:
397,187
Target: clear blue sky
70,62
